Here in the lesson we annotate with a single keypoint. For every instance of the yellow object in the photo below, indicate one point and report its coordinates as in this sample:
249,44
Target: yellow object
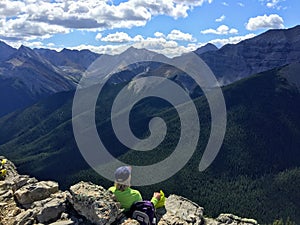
3,172
162,200
3,161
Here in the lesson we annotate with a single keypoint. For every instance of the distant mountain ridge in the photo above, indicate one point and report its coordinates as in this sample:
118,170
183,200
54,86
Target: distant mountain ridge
28,75
5,50
66,57
206,48
269,50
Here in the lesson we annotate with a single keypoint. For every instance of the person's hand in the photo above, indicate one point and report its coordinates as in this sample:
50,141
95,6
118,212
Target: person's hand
156,195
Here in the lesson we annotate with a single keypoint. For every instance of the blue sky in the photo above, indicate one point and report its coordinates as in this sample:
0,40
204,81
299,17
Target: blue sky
171,27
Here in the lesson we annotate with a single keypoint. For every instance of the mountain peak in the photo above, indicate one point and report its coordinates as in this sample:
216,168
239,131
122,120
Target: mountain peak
24,48
6,50
27,52
132,49
206,48
64,50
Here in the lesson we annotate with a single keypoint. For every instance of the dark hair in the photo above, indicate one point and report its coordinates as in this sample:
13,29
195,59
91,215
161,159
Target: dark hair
121,187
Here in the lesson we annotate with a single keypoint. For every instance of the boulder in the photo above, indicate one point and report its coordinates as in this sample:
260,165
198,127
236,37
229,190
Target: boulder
50,209
24,218
22,180
94,203
130,222
30,193
232,219
181,211
65,222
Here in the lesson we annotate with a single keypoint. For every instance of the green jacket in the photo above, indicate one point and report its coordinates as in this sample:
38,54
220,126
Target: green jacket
128,197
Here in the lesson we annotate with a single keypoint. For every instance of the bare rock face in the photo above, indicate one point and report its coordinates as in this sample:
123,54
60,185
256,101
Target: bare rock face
50,209
232,219
130,222
27,201
181,211
95,203
35,192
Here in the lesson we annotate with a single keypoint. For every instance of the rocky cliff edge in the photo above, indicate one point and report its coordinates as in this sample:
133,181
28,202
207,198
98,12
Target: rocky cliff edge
25,200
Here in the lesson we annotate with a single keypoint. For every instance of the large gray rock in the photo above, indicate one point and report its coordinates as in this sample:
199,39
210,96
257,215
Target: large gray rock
94,203
232,219
30,193
24,218
65,222
50,209
181,211
22,180
130,222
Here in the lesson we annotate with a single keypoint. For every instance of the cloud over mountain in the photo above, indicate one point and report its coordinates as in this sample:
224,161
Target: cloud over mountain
221,30
26,20
265,22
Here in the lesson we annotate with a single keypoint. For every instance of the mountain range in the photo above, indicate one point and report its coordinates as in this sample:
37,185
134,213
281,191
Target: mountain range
257,172
28,75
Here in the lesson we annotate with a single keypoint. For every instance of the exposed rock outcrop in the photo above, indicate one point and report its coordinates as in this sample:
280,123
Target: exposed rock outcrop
180,210
27,201
95,203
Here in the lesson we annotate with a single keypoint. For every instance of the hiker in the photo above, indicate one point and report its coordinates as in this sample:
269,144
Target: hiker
126,195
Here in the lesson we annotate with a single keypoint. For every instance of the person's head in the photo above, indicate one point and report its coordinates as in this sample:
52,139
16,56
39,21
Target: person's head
122,177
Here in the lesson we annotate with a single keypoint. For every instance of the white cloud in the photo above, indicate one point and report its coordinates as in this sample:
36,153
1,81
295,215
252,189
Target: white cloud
159,45
98,36
156,44
61,16
118,37
164,44
231,40
159,34
35,44
225,4
138,38
51,45
273,21
103,49
23,29
221,30
275,4
11,8
177,35
241,4
220,19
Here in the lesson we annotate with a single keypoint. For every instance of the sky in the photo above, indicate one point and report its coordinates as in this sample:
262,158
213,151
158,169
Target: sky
170,27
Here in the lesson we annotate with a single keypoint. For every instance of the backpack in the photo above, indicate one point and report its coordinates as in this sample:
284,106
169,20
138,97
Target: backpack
144,212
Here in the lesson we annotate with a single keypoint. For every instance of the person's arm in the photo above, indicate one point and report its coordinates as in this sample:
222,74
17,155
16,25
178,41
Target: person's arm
155,198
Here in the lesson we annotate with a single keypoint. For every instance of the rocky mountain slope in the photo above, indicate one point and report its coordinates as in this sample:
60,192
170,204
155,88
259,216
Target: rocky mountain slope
25,200
206,48
269,50
5,51
27,75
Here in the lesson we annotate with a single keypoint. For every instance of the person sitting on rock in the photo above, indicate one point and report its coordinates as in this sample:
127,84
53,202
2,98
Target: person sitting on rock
126,195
